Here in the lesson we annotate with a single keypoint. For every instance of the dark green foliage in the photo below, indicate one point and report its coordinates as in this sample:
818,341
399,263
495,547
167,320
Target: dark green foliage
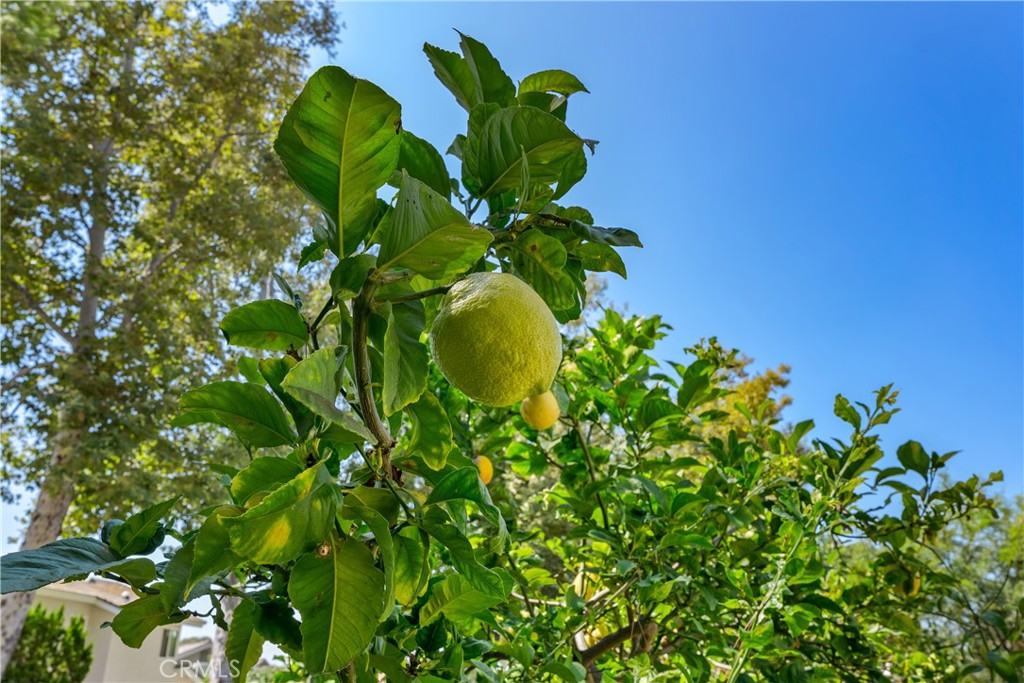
49,651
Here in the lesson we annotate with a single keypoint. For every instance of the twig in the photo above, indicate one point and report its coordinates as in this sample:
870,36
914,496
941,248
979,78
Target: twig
416,296
592,469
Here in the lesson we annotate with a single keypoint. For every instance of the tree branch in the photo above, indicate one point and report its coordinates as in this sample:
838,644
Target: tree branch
639,630
416,296
43,315
21,373
361,308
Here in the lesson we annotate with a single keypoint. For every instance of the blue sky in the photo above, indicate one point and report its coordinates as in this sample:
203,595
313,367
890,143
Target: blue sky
833,186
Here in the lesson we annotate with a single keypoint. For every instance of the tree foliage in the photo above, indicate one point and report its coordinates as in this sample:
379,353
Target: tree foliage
50,651
669,526
141,201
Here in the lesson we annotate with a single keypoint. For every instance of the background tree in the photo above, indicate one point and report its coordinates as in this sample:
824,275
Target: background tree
50,651
140,200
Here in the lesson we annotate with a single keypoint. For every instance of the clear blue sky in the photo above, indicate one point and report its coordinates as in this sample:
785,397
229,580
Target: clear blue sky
833,186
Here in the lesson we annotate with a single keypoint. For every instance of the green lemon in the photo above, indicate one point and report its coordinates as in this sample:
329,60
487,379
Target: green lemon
495,339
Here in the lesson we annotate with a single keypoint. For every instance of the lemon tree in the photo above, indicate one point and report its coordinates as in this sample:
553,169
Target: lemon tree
400,519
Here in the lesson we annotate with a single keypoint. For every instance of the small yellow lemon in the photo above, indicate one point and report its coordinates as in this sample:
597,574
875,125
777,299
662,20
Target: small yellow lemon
483,463
540,411
495,339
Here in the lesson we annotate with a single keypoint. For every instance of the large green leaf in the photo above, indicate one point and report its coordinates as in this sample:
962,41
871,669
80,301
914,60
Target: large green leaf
249,411
176,573
405,356
316,383
339,143
263,474
31,569
464,484
138,533
452,70
340,595
616,237
289,521
540,259
494,582
382,536
455,598
552,80
494,155
428,235
491,82
271,324
430,437
599,258
273,371
213,553
245,644
422,161
412,566
137,619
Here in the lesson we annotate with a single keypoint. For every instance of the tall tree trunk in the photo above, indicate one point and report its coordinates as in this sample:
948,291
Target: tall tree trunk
58,490
44,526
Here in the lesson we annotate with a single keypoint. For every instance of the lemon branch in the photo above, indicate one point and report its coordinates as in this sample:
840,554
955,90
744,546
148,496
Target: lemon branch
361,307
416,296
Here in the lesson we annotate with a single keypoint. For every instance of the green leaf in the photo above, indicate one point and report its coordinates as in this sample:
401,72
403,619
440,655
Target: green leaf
340,595
599,258
913,456
176,573
138,532
422,161
411,565
428,235
540,260
493,156
493,582
311,253
263,474
273,371
315,382
381,500
615,237
571,672
405,356
453,72
430,436
213,553
552,80
492,84
348,276
271,324
31,569
244,646
465,484
138,571
340,143
288,522
250,412
276,622
382,536
249,368
455,598
137,619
